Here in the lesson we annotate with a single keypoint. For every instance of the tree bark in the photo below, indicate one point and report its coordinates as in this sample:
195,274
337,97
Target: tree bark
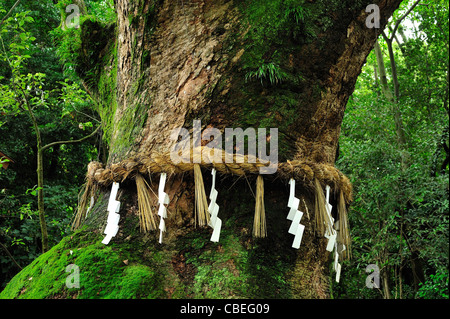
178,72
164,64
393,99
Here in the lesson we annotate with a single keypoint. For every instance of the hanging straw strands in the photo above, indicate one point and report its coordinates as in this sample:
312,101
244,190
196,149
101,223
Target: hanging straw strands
89,190
82,205
259,221
309,174
344,233
201,203
323,222
146,218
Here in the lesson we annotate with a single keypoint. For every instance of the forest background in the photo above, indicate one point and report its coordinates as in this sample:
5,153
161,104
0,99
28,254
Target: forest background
394,146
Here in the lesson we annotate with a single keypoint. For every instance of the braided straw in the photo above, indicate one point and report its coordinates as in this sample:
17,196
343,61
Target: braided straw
311,175
302,171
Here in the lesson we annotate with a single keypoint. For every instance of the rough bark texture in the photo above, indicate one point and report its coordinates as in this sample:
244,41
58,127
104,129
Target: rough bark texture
179,61
165,63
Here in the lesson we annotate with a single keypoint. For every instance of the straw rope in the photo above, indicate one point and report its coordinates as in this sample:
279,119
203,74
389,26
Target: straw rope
311,175
304,172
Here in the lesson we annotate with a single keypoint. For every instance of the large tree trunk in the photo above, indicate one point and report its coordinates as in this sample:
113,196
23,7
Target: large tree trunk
164,64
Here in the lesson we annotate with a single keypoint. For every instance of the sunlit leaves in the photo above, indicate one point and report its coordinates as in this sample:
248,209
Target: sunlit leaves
401,213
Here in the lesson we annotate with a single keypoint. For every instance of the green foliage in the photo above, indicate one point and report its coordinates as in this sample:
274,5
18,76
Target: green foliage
84,51
30,68
41,49
269,71
434,288
270,24
78,47
103,10
20,230
399,217
69,46
2,161
268,19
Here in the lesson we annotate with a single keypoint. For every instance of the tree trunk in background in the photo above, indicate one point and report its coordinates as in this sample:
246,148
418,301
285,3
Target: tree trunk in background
40,178
166,63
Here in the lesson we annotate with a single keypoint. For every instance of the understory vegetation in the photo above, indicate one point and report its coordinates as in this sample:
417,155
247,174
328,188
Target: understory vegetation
399,217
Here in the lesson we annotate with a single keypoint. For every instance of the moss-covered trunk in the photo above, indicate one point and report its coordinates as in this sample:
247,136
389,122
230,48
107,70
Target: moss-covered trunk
289,65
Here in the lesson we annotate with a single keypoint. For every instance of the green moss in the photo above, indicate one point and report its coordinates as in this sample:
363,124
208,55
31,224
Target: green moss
135,265
128,127
45,276
95,42
135,282
233,270
238,266
107,84
89,52
102,273
121,134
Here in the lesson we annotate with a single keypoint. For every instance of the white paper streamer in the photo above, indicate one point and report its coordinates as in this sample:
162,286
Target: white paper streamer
338,272
295,222
214,222
330,232
216,231
337,265
291,193
295,215
295,203
336,257
331,236
298,236
112,223
163,200
90,206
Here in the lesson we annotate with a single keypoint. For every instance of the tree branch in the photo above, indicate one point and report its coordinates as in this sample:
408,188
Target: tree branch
72,141
10,11
87,115
385,37
10,256
403,17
